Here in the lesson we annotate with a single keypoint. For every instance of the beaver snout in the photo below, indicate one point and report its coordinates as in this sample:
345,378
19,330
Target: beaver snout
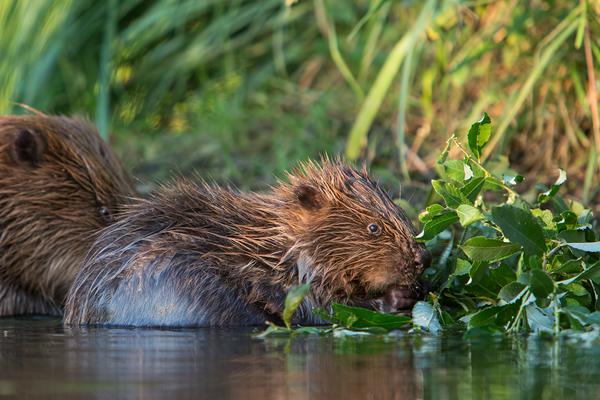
422,259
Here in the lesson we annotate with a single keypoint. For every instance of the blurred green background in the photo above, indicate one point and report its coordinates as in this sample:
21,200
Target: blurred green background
241,90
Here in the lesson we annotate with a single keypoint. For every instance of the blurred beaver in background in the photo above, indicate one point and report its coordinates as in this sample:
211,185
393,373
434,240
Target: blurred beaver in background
59,184
207,255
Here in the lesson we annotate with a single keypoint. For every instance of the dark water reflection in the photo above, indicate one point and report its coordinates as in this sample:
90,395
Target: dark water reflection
39,359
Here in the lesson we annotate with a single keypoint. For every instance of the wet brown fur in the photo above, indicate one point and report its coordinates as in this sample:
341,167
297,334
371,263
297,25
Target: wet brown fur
208,255
59,184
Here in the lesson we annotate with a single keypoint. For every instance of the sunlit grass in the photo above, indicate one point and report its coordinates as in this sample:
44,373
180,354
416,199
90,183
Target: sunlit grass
260,84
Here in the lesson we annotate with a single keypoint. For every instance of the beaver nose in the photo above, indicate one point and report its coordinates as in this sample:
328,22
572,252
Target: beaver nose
422,259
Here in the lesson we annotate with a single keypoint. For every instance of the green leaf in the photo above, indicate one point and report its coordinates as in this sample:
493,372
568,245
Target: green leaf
545,219
503,274
585,217
293,300
425,316
484,287
572,235
468,214
547,196
571,266
512,292
437,225
477,271
590,273
471,190
463,267
431,212
539,282
362,318
451,195
481,249
520,227
455,170
486,316
478,135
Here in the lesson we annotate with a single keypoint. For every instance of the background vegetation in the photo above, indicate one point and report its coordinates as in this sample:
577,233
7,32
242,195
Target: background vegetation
242,89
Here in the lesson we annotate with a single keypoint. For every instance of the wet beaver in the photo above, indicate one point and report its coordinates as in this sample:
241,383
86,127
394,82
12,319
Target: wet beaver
60,183
207,255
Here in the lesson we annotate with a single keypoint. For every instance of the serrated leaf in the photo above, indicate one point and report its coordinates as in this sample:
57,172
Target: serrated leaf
520,227
451,195
425,316
467,214
481,249
478,135
293,300
593,247
362,318
512,292
547,196
471,190
437,225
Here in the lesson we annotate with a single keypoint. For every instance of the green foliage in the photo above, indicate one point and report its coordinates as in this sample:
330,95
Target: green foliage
547,280
549,277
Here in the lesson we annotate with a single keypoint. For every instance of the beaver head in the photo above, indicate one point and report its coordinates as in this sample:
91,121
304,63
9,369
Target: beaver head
354,244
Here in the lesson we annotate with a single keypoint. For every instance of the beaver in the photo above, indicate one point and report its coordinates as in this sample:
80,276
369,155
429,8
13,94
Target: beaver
60,183
202,254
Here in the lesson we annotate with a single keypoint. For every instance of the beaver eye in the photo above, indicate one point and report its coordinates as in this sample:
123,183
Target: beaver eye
374,229
105,213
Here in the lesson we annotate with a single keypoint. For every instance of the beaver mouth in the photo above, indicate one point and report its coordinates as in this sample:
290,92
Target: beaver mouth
399,298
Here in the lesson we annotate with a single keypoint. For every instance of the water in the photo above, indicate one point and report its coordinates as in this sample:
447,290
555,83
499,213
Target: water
39,359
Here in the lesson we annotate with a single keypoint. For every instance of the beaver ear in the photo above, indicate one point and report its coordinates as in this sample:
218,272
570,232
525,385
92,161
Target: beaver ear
309,197
28,147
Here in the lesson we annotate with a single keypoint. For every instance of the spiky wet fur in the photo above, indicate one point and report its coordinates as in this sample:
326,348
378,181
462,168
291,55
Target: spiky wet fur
51,189
208,255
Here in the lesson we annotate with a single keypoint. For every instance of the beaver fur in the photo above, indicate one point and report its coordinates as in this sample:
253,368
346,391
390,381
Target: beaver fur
196,255
60,183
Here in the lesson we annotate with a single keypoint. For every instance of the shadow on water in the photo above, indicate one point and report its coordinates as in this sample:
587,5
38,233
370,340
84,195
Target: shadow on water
40,359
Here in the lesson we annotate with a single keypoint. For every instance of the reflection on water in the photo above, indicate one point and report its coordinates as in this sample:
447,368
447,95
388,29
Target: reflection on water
39,359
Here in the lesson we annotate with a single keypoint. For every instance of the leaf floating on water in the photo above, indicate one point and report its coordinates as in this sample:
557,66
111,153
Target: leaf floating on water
361,318
426,317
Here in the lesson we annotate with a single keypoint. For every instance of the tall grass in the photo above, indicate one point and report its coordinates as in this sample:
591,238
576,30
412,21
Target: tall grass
259,84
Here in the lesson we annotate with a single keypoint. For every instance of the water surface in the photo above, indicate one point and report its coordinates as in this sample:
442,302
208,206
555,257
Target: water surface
40,359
